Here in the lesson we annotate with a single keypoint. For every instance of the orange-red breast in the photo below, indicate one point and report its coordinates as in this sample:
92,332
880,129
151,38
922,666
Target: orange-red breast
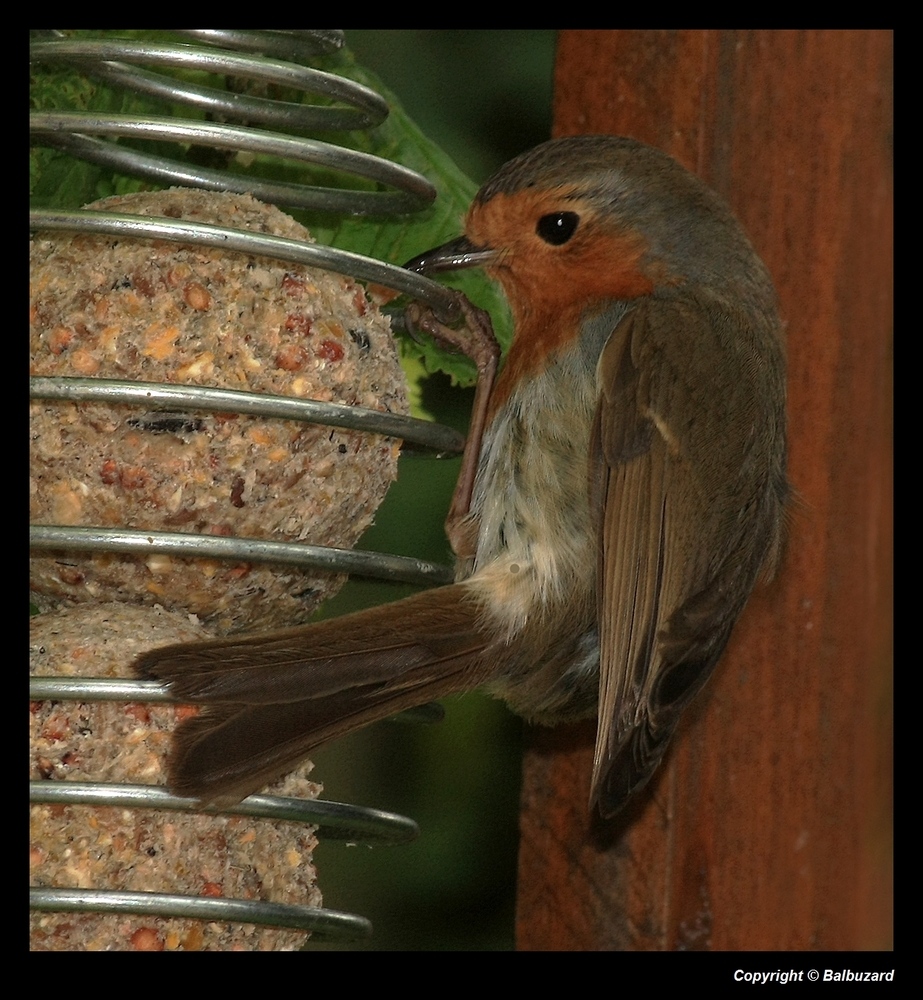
630,490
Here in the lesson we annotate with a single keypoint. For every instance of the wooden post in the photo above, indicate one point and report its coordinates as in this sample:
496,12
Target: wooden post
769,827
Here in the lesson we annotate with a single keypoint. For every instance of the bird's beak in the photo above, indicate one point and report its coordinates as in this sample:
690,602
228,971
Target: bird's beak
452,256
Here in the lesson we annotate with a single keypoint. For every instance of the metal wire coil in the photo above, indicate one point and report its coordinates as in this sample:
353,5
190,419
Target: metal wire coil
113,60
334,821
119,62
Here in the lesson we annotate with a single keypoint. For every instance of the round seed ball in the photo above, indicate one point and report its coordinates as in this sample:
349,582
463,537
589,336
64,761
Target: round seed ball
150,310
144,850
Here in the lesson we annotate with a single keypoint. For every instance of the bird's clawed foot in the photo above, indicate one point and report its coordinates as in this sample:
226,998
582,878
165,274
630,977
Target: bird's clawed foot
474,337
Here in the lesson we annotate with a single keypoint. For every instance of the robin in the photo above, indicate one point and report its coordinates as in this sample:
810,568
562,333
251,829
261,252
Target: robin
627,490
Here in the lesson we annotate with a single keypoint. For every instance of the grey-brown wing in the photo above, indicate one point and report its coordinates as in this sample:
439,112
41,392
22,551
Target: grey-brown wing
688,459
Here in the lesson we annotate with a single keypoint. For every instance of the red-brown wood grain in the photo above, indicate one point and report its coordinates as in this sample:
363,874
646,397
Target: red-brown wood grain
769,827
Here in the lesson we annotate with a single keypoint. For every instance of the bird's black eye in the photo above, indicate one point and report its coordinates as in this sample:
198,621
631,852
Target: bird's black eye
558,227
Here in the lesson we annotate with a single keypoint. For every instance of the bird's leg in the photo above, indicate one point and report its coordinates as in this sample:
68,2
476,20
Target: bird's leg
474,338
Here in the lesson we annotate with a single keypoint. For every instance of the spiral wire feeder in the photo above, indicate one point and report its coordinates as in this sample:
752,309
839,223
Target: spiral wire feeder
272,57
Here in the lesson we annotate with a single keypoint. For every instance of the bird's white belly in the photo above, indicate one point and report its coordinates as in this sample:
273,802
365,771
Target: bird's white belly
536,549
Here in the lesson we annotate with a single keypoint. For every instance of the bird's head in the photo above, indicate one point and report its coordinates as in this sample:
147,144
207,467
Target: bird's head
580,221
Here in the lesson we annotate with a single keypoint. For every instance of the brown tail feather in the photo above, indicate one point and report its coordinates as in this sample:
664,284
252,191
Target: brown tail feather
271,698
